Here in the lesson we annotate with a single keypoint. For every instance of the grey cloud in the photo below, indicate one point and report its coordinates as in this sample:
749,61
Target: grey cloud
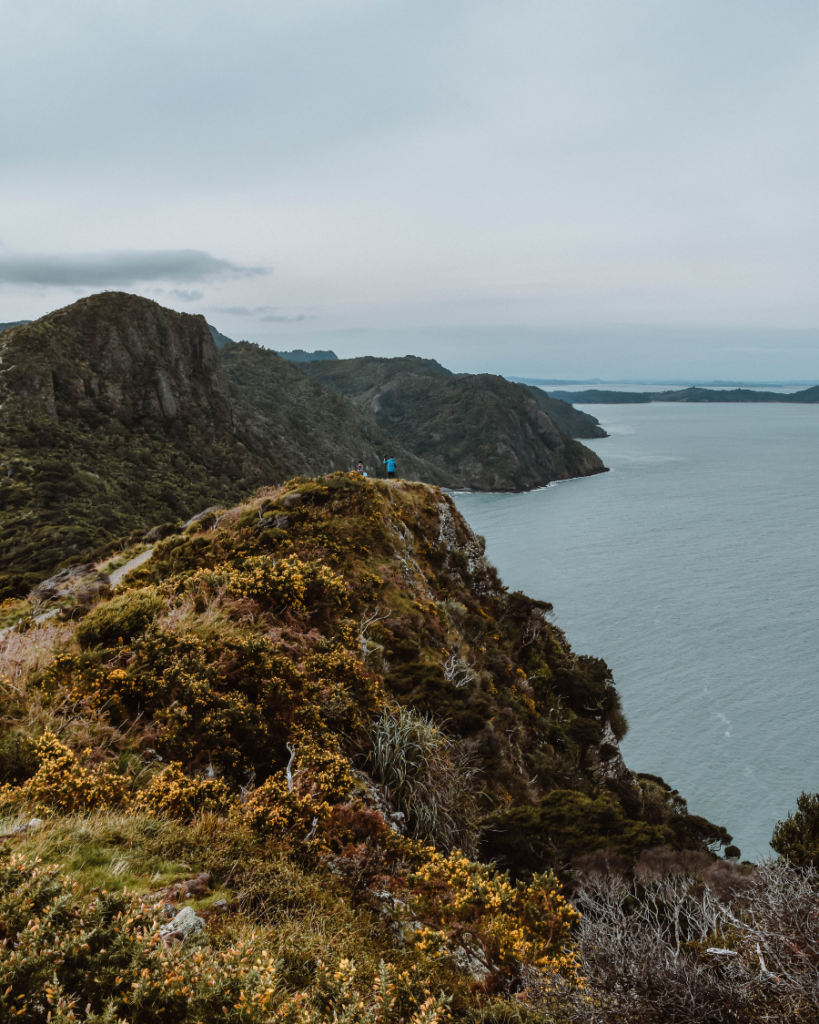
245,310
265,314
105,269
278,318
187,296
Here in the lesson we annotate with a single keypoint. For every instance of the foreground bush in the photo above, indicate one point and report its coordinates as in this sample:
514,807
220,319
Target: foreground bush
120,619
678,950
797,838
103,961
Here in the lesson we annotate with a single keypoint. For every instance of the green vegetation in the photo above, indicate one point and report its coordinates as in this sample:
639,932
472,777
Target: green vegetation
326,702
477,430
117,415
797,838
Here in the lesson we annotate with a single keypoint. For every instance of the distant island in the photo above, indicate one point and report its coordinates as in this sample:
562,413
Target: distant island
596,396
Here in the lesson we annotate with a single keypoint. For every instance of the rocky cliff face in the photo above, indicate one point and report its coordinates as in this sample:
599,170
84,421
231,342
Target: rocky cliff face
117,415
480,431
116,355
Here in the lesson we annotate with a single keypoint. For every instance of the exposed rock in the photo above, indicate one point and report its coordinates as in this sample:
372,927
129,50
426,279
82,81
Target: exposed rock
161,532
186,924
372,796
191,888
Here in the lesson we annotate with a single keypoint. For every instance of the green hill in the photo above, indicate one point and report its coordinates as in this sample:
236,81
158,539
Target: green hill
480,431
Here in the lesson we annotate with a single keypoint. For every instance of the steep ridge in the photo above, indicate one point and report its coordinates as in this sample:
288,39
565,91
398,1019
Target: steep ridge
480,431
117,415
319,706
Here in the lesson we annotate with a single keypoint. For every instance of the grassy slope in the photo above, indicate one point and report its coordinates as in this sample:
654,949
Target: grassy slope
203,663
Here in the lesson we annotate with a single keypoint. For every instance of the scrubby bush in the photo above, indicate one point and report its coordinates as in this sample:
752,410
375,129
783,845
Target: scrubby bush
172,793
428,777
673,949
291,581
797,838
120,619
102,962
62,783
474,911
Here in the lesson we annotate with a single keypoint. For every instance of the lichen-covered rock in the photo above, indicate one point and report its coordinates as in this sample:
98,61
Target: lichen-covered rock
184,925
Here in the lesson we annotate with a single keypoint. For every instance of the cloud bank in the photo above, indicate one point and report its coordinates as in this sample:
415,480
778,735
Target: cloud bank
264,314
123,269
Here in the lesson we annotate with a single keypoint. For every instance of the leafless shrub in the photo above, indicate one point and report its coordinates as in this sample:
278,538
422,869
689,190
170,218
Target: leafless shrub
428,776
671,949
369,619
457,671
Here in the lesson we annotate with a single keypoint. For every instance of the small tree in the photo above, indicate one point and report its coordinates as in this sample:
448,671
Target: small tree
797,838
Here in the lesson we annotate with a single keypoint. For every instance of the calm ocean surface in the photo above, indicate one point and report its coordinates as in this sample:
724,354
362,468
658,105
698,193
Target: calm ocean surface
693,569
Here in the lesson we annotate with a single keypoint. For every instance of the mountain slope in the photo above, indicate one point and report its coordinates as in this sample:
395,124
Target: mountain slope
117,415
480,431
303,427
570,420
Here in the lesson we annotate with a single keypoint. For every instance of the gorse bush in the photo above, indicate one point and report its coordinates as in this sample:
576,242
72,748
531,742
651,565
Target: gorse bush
63,784
120,619
103,960
474,909
289,580
173,794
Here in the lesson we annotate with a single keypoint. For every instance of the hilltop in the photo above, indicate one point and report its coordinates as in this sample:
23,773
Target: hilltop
480,431
118,414
314,719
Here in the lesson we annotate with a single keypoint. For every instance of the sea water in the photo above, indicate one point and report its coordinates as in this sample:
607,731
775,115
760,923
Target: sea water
692,568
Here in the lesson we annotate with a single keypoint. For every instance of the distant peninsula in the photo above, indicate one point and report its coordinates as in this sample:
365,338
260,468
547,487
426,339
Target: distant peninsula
597,396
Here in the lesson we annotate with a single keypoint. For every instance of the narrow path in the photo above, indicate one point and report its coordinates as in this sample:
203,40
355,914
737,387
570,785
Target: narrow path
118,575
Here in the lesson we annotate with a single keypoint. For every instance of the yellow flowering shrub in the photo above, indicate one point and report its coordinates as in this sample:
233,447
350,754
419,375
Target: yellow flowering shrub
288,580
66,958
273,809
462,904
62,783
177,795
295,807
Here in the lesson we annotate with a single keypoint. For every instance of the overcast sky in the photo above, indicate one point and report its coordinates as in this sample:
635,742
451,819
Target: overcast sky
576,188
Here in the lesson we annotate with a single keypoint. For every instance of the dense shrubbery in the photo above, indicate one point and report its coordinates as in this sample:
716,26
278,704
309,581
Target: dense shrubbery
333,679
102,960
702,946
120,619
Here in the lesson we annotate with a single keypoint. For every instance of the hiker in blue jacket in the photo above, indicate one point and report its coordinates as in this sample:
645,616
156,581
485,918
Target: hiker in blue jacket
389,462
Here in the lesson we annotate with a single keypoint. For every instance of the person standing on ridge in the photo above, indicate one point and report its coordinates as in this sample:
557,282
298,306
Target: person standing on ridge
389,462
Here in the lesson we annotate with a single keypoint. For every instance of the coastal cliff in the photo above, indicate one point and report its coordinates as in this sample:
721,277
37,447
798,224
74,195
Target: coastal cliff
117,414
480,431
284,766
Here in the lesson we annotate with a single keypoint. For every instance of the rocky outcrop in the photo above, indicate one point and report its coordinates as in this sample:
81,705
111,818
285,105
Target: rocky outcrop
119,355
